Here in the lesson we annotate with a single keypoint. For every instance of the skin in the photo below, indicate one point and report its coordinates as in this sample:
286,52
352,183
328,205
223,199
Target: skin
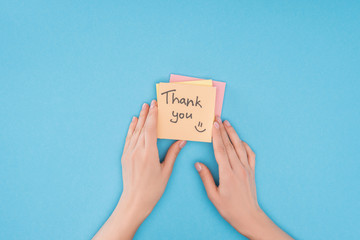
235,197
145,180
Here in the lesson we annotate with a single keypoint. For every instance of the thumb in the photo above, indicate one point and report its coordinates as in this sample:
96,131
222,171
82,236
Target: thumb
208,181
171,155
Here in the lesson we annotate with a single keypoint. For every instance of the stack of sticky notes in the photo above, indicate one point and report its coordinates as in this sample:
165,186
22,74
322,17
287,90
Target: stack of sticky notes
187,107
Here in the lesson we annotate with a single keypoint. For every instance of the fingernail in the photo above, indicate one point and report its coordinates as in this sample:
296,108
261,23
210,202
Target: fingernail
218,119
153,104
133,119
182,144
216,125
198,166
144,106
227,123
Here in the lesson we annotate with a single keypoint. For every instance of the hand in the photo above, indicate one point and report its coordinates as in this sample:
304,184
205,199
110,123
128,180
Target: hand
235,197
144,177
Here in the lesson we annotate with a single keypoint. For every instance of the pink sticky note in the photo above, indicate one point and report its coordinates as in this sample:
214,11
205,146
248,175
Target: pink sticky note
220,89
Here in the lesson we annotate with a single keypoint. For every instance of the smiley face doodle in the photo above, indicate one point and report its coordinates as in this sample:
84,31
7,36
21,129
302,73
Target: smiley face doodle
199,126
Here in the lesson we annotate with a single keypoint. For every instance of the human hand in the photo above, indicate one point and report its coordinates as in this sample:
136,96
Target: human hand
235,197
144,177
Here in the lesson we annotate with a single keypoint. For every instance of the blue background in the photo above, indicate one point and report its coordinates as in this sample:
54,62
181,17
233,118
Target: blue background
73,73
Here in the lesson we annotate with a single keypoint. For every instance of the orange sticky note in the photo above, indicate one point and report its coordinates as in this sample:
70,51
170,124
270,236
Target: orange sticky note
185,112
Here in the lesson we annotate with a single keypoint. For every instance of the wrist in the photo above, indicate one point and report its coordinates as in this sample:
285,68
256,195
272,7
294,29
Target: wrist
124,221
128,214
263,227
122,224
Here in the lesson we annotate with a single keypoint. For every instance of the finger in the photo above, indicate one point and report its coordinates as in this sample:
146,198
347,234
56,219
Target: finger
237,143
150,128
251,156
208,181
219,149
130,132
230,150
140,123
171,156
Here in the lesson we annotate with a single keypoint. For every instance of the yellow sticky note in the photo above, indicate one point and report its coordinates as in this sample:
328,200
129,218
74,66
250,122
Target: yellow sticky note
185,112
200,83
